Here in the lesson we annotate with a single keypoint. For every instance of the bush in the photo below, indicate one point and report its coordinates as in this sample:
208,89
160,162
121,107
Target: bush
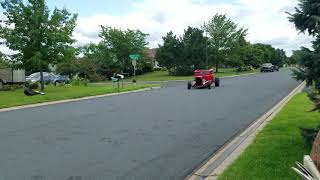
244,68
181,71
160,69
77,81
309,134
10,87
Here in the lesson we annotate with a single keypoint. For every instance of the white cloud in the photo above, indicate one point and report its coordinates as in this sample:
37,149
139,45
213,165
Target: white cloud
266,20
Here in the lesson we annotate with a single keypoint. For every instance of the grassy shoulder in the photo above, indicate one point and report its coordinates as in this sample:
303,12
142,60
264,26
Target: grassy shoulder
164,75
277,146
17,97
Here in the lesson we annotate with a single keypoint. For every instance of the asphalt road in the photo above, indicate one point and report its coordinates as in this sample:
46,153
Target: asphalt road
159,134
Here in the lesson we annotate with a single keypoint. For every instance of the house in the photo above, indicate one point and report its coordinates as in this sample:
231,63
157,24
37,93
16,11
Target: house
151,53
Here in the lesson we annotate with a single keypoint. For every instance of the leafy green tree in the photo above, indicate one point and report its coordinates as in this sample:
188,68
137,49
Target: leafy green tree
307,19
294,58
256,56
169,54
103,57
3,63
280,58
183,55
238,57
224,36
39,36
194,49
123,43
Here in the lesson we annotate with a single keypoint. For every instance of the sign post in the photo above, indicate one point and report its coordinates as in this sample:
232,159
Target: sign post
134,58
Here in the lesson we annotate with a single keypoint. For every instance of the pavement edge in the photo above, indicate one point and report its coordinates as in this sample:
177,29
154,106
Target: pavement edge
225,156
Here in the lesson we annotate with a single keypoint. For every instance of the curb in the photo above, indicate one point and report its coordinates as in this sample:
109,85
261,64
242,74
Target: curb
226,155
75,100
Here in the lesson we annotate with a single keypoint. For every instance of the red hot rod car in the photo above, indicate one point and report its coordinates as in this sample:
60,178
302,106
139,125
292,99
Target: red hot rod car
204,79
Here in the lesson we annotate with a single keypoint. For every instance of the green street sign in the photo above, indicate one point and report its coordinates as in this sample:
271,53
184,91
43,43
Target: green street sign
134,57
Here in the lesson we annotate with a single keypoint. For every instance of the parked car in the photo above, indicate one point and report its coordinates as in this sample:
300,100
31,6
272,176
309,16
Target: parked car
11,76
61,79
267,67
35,77
276,68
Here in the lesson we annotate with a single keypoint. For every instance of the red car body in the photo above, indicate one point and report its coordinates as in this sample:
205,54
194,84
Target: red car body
204,79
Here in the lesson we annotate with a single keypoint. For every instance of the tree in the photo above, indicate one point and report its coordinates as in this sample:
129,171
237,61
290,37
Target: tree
280,58
224,36
294,58
239,55
103,57
40,37
306,19
3,63
182,55
169,54
123,43
194,48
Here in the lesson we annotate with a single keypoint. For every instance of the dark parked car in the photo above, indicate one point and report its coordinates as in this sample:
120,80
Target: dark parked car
267,67
276,68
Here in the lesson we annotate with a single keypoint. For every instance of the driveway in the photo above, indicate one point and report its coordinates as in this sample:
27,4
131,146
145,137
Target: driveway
158,134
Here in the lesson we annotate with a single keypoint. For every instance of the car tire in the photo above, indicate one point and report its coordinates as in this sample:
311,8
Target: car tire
209,87
217,82
189,85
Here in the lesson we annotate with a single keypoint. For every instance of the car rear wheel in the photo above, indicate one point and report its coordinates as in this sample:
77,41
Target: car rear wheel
189,85
209,87
217,82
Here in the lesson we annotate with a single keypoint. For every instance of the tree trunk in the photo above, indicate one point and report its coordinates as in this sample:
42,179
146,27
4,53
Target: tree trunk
217,67
41,79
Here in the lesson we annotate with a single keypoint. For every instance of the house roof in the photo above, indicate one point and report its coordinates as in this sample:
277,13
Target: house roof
152,53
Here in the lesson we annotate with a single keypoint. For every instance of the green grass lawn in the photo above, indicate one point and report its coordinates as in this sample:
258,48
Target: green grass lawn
278,146
17,97
164,75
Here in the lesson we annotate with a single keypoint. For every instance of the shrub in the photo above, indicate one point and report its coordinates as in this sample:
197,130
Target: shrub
77,81
10,87
160,69
309,134
244,68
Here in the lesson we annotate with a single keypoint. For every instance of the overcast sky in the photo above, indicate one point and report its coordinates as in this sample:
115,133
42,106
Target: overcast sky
266,19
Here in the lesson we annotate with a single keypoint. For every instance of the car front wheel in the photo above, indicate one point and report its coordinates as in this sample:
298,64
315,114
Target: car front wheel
189,85
217,82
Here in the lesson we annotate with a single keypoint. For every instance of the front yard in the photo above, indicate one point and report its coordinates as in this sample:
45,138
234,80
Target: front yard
17,97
